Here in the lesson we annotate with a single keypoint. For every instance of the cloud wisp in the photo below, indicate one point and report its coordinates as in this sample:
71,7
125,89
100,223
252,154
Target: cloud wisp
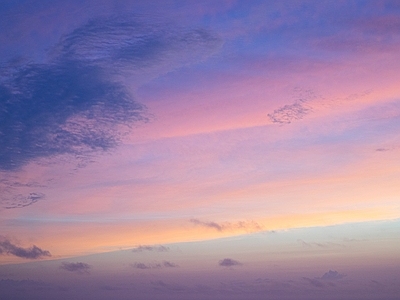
34,252
228,226
78,267
143,248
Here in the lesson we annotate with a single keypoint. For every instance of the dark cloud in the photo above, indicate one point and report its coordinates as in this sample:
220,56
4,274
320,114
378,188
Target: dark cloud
332,275
295,111
143,266
246,225
34,252
168,264
66,107
207,224
19,201
76,102
164,264
228,262
78,267
289,113
150,248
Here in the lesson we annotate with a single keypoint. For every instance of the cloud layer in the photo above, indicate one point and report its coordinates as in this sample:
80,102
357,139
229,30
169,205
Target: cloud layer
75,103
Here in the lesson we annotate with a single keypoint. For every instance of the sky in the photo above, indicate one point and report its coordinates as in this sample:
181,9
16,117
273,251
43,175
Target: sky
199,149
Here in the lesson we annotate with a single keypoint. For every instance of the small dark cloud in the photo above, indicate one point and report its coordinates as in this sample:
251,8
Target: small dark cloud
289,113
34,252
143,266
150,248
295,111
226,226
382,149
168,264
156,265
78,267
228,262
332,275
20,200
207,224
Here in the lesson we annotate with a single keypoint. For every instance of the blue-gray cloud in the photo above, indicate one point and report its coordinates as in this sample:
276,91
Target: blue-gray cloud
74,103
34,252
78,267
164,264
228,262
332,275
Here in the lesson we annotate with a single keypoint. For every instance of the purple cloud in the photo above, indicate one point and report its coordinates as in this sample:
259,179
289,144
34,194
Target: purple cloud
78,267
34,252
228,262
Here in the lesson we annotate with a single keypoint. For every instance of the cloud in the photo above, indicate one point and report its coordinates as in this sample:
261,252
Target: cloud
143,266
207,224
295,111
168,264
34,252
78,267
228,262
20,201
150,248
246,225
332,275
325,245
314,282
76,103
164,264
289,113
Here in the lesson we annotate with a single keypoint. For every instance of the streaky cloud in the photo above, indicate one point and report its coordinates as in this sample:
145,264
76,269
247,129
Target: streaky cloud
143,248
226,226
156,265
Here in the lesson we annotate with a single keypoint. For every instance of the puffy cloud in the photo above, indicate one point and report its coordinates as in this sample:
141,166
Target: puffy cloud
78,267
228,262
332,275
34,252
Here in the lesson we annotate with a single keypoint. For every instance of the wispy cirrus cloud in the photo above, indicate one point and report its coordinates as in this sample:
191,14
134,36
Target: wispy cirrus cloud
143,248
9,248
78,267
226,226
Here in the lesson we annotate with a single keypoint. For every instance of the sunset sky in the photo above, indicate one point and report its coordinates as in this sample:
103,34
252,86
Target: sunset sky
199,149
